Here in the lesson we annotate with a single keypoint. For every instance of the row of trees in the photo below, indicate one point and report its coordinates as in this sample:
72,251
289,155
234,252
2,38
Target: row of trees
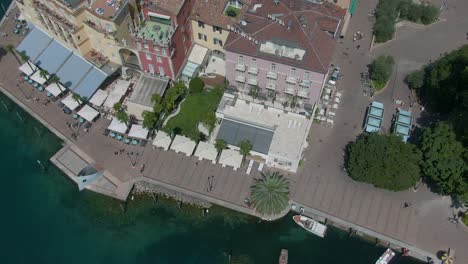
162,106
387,162
389,11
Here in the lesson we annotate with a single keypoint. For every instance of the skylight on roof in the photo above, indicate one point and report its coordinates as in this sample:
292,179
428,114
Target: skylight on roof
282,50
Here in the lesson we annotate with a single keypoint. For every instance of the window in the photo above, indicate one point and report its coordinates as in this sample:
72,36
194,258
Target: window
202,36
306,76
217,42
151,68
217,29
240,60
201,24
292,73
273,67
148,56
164,52
158,59
161,71
253,64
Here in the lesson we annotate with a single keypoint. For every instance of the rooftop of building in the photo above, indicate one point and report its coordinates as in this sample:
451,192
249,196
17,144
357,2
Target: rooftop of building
213,12
146,87
157,31
106,8
289,129
298,33
169,6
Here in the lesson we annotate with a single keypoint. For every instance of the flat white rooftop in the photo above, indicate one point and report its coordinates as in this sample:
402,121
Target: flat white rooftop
290,129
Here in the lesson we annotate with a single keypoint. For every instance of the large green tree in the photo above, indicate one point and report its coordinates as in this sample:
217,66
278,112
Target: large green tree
443,158
149,119
381,69
270,194
384,161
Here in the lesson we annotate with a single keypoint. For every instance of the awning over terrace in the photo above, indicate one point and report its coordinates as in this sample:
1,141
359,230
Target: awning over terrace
88,113
117,126
28,68
75,72
137,131
55,89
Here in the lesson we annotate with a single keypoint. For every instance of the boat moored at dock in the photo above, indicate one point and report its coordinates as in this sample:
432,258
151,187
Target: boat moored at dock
310,225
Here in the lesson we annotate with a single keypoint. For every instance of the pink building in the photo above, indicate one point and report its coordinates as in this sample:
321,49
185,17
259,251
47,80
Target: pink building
285,48
164,36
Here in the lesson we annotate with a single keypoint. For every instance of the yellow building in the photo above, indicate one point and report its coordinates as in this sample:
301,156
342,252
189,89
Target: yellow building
99,30
210,20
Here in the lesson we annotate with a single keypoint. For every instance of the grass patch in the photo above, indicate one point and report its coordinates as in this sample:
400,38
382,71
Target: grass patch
196,108
378,85
232,11
465,219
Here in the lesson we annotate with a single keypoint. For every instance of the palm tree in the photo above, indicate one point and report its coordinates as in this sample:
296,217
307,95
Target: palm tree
220,145
25,57
244,148
270,194
254,91
122,116
44,74
11,49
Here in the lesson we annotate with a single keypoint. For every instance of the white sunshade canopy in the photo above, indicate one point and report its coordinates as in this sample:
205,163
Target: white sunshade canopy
38,78
99,97
88,113
112,99
184,145
70,102
231,158
206,151
121,87
117,126
198,54
137,131
55,89
162,140
28,68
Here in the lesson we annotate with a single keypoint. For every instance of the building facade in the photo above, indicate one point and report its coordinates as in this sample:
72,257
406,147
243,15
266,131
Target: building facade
210,20
163,36
280,52
95,29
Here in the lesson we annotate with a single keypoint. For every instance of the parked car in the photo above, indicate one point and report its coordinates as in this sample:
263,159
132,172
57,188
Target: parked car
335,76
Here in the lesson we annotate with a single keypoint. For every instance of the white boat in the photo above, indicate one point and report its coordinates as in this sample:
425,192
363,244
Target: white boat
310,225
386,257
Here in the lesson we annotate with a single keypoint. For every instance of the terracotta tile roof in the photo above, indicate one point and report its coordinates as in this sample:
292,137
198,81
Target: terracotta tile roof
211,12
306,26
170,6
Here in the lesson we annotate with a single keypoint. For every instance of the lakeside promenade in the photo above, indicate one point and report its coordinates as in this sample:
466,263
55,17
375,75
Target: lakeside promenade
375,212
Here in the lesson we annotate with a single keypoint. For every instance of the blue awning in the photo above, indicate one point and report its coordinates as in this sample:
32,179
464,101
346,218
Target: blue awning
74,69
190,69
53,57
90,83
34,43
75,72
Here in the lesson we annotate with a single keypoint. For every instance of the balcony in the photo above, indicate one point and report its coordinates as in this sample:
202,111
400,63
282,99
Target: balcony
272,75
305,83
51,14
240,67
240,78
291,80
291,91
271,86
304,93
253,70
252,81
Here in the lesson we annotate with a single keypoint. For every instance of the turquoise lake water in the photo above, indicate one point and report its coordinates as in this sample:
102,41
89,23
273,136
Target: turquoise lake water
46,220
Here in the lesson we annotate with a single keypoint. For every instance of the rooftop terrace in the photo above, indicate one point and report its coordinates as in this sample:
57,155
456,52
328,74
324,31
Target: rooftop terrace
156,31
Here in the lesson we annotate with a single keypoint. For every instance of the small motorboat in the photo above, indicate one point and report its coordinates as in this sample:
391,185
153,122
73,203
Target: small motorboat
310,225
283,258
386,257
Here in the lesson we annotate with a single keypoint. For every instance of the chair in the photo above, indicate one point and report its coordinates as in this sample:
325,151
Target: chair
335,106
338,94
